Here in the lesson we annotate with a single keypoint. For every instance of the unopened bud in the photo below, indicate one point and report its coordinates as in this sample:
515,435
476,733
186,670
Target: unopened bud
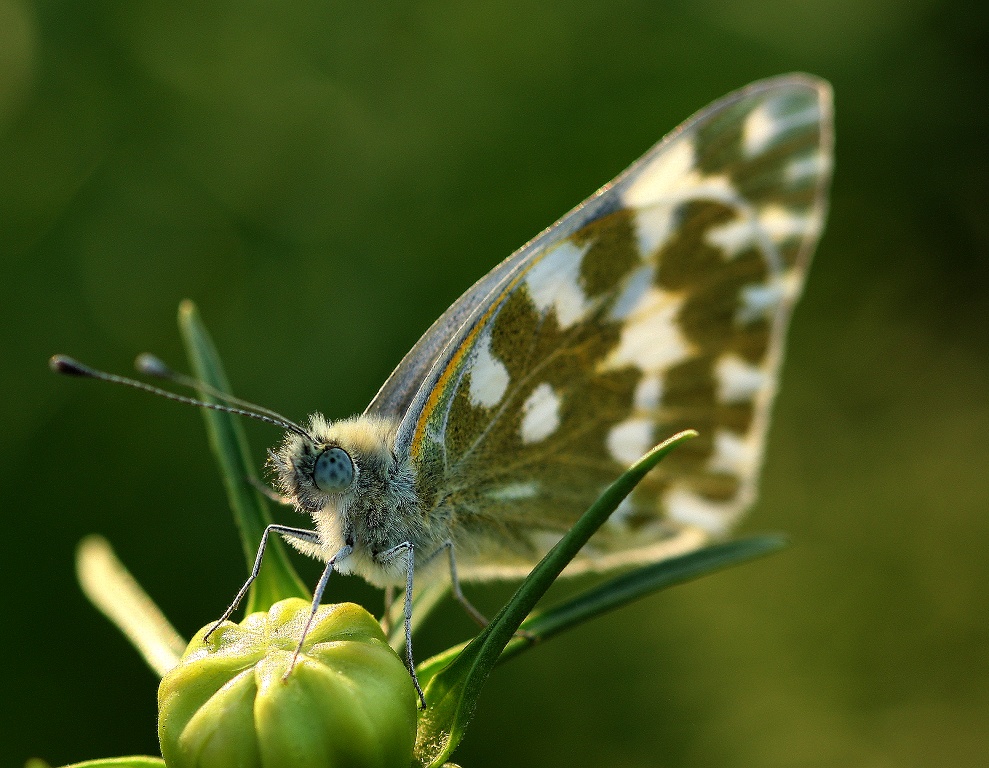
348,701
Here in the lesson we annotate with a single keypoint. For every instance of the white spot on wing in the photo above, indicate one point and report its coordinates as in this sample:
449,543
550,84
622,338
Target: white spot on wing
773,225
664,173
653,227
488,376
760,300
554,281
781,224
738,381
663,184
629,440
758,130
808,167
715,187
767,122
540,414
733,454
636,286
648,392
734,237
514,491
687,507
651,338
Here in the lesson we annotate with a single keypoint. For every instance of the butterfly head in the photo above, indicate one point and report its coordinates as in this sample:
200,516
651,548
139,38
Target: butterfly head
343,469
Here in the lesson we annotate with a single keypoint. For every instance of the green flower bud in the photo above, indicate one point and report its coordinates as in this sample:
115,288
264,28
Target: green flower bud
349,700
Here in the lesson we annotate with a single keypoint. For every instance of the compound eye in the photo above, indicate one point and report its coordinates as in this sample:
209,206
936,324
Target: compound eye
334,470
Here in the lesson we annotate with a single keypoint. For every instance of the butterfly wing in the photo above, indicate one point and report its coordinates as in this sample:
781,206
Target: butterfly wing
441,340
659,304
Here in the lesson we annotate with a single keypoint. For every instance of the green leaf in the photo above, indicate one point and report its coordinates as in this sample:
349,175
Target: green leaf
452,692
112,589
278,579
618,591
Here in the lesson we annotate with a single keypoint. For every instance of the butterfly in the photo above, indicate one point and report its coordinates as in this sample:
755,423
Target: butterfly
659,304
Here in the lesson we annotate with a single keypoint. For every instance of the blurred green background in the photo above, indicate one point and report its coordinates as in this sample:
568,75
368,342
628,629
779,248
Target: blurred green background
325,178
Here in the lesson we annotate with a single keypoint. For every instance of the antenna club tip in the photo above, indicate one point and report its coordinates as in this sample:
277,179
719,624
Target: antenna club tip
67,366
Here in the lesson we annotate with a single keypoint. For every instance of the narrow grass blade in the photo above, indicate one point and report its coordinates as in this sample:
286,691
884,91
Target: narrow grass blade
628,587
278,578
451,694
618,591
111,588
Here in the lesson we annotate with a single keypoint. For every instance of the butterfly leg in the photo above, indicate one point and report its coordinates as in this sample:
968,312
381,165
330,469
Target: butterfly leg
458,593
317,598
395,551
296,533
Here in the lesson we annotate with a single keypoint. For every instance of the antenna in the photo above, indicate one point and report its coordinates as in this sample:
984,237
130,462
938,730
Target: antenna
153,366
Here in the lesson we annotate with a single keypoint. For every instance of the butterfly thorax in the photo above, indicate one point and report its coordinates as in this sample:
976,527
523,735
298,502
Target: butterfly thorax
370,504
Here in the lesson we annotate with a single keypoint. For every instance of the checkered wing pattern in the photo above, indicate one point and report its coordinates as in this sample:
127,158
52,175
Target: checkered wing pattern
658,305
